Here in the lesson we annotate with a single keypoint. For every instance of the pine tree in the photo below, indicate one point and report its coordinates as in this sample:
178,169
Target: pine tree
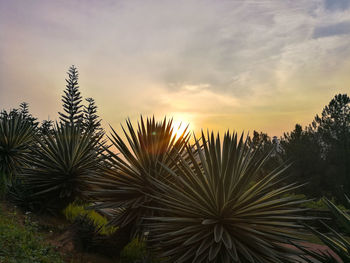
24,111
91,119
72,100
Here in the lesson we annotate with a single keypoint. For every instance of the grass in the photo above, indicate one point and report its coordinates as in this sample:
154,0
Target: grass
21,242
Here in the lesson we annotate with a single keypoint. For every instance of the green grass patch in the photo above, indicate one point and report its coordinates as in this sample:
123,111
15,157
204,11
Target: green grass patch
23,243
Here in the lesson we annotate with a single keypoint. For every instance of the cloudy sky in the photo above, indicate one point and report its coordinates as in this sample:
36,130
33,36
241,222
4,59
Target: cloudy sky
238,65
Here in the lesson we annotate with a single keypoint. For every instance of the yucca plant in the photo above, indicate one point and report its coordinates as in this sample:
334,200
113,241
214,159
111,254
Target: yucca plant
336,242
16,136
218,211
124,188
60,166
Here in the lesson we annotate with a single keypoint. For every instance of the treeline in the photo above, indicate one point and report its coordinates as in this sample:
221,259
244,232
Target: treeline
319,153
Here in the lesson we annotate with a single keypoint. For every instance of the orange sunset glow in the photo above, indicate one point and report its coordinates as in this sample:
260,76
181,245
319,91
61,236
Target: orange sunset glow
238,65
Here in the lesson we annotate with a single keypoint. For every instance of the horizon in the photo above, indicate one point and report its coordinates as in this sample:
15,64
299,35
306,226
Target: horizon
237,65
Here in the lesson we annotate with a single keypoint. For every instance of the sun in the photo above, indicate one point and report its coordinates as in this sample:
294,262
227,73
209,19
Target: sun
180,123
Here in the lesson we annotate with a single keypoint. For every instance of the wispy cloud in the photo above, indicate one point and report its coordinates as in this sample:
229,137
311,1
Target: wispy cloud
231,60
337,5
342,28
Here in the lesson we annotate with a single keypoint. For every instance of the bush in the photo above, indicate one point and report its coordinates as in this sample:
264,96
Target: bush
23,243
73,211
91,231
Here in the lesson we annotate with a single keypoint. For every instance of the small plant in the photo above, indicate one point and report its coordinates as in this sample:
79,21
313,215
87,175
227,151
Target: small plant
74,211
137,252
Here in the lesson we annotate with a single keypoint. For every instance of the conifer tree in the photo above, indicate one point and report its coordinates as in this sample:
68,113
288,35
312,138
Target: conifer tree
24,111
92,123
71,99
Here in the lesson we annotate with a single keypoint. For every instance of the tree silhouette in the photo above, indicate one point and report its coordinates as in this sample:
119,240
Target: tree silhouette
333,129
72,100
263,143
321,152
302,148
91,123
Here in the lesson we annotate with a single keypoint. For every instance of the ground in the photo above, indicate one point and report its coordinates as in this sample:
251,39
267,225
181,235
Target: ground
56,233
54,230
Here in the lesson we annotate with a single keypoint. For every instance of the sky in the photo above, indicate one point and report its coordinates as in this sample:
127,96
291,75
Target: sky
240,65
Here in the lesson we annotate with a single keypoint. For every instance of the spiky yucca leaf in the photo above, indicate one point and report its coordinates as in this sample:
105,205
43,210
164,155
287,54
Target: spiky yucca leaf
125,186
336,241
16,136
61,165
218,211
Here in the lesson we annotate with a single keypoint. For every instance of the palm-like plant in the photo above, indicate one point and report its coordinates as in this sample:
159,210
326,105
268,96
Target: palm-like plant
337,243
60,166
16,136
218,211
125,187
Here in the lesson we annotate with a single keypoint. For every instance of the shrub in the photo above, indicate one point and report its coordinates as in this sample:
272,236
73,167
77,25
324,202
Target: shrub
137,252
16,136
60,167
74,211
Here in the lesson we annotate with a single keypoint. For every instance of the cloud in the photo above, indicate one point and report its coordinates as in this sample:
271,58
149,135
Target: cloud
336,5
207,58
342,28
